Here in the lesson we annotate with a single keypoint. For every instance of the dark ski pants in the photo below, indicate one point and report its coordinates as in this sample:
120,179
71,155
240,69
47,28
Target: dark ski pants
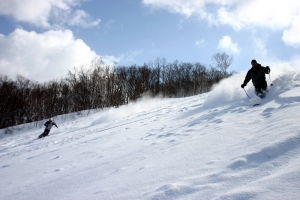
261,89
46,132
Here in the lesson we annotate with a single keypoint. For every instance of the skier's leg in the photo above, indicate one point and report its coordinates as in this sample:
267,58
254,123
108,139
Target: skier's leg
43,134
258,91
46,132
261,90
264,90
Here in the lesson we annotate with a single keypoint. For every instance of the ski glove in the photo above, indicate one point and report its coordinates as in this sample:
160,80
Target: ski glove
243,85
268,69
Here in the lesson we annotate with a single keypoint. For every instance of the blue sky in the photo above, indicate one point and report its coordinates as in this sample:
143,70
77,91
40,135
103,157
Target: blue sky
43,40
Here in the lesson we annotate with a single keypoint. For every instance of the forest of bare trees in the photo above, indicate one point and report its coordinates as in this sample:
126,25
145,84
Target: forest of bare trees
98,86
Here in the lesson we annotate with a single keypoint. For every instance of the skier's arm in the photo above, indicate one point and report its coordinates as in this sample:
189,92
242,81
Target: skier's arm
247,79
55,125
267,69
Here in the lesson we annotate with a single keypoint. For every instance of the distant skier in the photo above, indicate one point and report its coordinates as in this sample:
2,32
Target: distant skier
48,125
257,74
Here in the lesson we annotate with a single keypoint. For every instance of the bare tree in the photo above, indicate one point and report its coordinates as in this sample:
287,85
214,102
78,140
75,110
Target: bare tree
222,61
98,85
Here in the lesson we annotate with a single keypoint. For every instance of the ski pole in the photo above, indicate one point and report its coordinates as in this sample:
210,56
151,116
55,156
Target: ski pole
270,80
246,93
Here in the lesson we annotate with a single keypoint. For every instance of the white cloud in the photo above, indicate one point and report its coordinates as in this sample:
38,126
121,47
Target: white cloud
186,7
42,57
200,43
276,15
108,25
129,57
260,47
47,13
226,44
291,36
49,55
76,18
110,60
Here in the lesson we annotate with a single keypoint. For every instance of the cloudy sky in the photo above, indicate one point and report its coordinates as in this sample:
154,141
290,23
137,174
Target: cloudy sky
42,40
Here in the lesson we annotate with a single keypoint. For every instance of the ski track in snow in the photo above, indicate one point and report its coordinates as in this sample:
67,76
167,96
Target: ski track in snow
187,148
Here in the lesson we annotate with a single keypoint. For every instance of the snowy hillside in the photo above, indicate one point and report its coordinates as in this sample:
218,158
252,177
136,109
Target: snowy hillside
211,146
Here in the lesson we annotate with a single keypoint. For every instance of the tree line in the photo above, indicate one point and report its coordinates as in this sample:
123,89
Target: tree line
98,85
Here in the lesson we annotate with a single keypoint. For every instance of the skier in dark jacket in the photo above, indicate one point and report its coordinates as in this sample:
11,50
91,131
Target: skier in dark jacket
48,125
257,74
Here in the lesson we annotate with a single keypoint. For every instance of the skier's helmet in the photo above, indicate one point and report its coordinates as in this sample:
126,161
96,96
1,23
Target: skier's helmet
51,119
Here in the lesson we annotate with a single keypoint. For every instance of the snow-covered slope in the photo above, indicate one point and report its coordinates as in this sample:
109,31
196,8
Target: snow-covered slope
211,146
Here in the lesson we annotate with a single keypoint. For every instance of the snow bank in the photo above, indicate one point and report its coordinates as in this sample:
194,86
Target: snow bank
227,91
142,105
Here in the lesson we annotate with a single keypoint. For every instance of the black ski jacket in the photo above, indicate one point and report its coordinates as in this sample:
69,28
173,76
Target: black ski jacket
49,125
257,75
